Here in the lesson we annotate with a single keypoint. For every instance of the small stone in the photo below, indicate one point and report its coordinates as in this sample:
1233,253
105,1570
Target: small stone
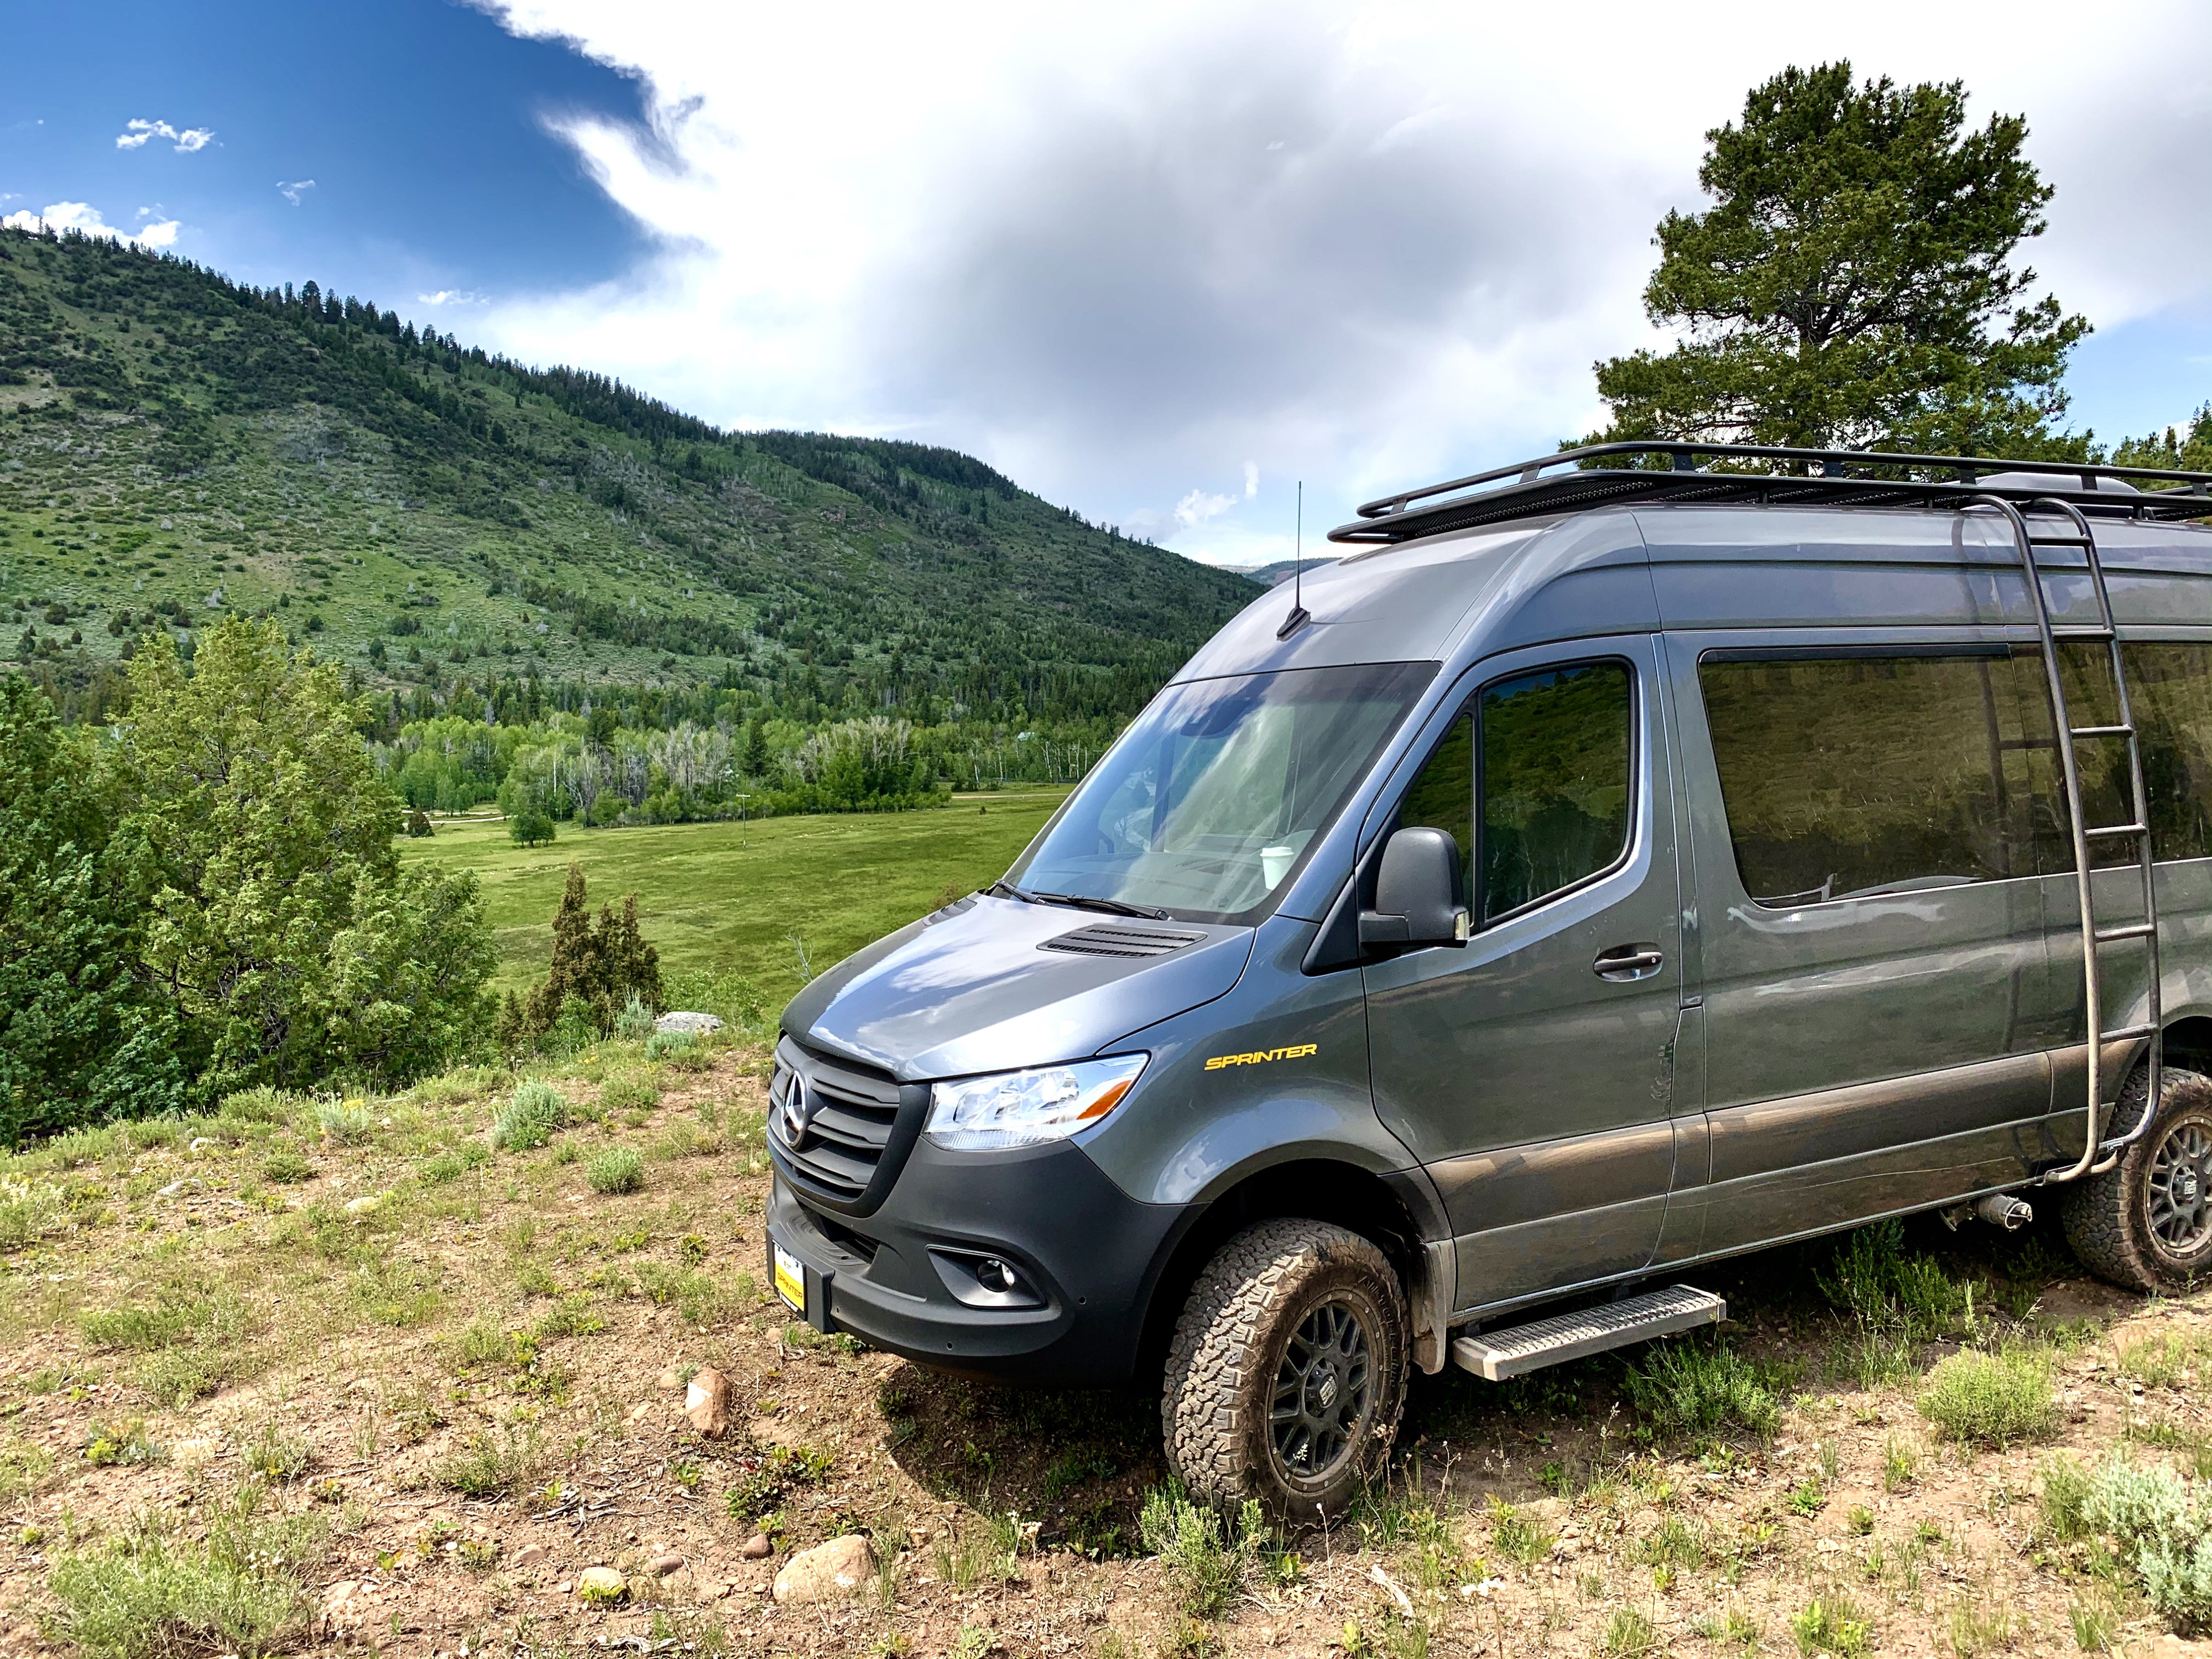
562,1588
176,1188
362,1205
669,1379
756,1547
601,1584
530,1555
919,1535
637,1412
199,1144
702,1024
663,1564
707,1402
828,1573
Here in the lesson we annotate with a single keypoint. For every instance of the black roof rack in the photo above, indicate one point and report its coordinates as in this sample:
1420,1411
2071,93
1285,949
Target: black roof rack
1572,481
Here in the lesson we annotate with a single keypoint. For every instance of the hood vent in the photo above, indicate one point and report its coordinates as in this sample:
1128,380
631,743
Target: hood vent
1120,938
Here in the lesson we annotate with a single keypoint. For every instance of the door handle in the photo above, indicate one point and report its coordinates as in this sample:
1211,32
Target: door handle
1629,962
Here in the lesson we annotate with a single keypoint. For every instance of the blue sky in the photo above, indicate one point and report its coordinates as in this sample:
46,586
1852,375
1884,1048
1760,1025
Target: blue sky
421,123
1156,260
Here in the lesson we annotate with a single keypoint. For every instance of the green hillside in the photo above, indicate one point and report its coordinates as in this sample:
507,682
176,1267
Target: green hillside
174,447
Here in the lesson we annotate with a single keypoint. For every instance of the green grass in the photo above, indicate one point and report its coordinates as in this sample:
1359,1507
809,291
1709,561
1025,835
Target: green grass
1991,1400
154,1592
728,897
617,1169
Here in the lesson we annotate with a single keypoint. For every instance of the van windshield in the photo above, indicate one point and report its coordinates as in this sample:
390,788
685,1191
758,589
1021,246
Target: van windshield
1206,804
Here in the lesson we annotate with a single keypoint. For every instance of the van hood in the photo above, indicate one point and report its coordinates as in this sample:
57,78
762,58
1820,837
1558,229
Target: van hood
982,986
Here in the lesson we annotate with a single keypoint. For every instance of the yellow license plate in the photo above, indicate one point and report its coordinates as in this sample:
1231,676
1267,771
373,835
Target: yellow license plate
790,1279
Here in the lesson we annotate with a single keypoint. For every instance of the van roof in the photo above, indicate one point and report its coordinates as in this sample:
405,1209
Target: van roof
1634,473
1589,552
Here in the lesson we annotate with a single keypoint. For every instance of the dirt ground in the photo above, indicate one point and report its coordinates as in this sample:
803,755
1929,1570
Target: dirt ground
458,1374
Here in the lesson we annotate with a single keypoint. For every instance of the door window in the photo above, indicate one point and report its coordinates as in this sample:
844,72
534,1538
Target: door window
1850,776
1553,808
1555,755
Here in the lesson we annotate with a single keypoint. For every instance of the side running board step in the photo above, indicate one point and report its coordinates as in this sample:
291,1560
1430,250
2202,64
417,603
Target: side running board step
1500,1354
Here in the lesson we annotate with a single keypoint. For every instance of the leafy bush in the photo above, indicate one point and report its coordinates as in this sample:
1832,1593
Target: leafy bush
531,826
1873,1279
535,1113
603,966
82,1039
285,1165
1207,1561
1689,1386
289,940
617,1169
1991,1400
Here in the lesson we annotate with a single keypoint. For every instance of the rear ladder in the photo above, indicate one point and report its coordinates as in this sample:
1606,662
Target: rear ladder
2096,1157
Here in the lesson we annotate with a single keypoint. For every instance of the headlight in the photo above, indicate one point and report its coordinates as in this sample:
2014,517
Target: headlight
1021,1108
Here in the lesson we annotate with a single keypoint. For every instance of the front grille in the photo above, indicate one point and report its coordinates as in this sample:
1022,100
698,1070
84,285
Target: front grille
846,1130
1113,939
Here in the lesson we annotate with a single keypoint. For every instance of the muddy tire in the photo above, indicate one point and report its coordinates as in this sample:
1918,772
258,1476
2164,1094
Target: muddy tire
1286,1374
2146,1223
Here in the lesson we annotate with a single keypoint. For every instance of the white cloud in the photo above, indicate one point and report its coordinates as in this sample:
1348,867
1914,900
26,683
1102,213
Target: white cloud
136,135
292,191
83,217
1367,244
450,296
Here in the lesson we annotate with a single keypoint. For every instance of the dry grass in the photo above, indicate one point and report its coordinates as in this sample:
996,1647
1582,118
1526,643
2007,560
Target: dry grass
366,1344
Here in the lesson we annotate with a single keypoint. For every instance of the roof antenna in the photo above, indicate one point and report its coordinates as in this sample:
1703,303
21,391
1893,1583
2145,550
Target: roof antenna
1298,618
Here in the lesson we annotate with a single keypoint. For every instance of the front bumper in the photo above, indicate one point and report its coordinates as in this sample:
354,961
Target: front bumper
1087,1257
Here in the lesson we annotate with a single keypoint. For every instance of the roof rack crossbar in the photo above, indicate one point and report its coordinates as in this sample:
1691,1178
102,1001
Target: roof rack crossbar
1836,476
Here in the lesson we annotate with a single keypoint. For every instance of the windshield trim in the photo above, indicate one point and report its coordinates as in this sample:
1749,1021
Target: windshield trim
1420,682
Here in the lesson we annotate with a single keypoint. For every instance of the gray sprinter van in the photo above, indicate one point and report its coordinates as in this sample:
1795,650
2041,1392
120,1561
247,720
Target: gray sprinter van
1635,857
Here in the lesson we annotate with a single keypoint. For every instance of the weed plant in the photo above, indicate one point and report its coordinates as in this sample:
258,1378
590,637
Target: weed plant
155,1593
1991,1400
533,1114
1696,1388
1208,1560
617,1169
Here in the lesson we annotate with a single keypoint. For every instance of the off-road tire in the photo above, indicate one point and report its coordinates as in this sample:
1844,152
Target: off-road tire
2108,1217
1229,1348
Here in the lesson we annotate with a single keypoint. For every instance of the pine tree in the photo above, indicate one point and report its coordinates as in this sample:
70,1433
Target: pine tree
1853,284
756,748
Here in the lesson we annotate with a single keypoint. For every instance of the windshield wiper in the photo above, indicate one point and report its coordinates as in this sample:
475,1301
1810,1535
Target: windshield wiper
1080,901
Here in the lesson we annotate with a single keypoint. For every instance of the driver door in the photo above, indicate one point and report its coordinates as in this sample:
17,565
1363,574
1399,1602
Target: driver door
1532,1070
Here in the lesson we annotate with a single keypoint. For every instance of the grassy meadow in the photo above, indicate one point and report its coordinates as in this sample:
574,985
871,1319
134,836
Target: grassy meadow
730,899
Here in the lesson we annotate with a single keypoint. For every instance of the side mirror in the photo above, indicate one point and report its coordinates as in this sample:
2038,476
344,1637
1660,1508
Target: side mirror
1416,892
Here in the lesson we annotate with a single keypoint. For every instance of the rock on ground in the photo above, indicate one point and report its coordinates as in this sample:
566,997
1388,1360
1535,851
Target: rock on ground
600,1585
707,1402
828,1573
702,1024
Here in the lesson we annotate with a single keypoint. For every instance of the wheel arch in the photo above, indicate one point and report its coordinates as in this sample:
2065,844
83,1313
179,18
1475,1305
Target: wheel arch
1397,1211
2189,1042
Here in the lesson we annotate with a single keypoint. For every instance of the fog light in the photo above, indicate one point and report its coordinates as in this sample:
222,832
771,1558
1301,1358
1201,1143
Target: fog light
997,1276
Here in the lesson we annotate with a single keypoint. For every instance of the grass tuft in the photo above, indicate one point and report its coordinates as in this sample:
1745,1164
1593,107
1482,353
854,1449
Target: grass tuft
617,1169
153,1592
1208,1560
533,1116
1991,1400
1690,1387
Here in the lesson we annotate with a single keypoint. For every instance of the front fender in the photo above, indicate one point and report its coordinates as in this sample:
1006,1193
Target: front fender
1272,1071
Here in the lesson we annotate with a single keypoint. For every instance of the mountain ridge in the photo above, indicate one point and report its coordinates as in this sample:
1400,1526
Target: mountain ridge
174,447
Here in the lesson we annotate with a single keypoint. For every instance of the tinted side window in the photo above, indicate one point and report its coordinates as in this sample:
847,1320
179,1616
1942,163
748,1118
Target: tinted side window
1555,751
1849,776
1443,796
2170,694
